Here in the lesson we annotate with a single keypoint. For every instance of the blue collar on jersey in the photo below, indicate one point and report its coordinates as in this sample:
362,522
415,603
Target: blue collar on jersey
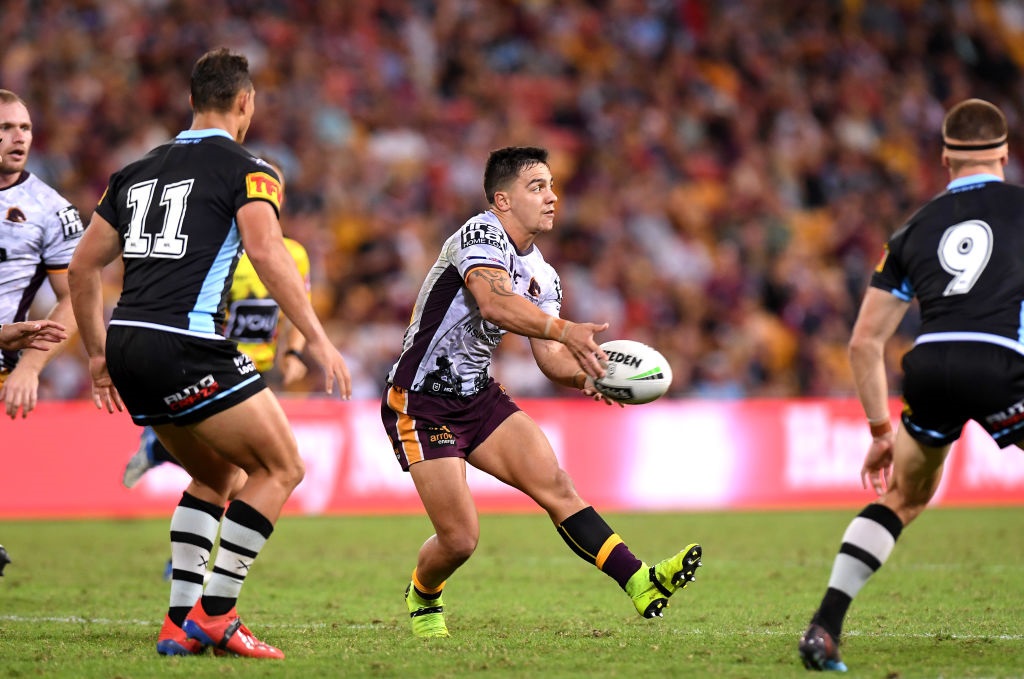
202,134
972,179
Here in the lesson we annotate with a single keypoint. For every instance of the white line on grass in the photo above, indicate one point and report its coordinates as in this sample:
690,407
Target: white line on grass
78,620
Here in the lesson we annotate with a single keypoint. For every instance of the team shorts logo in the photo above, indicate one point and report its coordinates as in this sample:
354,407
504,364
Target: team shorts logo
70,222
262,185
1007,417
244,364
440,436
192,394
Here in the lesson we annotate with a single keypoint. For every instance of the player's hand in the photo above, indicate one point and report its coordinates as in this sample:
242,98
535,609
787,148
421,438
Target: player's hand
335,368
104,393
21,391
590,390
578,338
32,335
877,467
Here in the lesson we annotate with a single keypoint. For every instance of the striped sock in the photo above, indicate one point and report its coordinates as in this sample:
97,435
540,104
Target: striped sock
194,525
426,592
242,536
595,542
867,543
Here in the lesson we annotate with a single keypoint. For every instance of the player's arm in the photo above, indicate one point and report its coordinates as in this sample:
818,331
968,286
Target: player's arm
21,389
100,245
499,304
264,244
558,365
293,368
292,343
879,316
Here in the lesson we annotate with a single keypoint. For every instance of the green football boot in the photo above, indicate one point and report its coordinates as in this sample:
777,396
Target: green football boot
651,587
427,615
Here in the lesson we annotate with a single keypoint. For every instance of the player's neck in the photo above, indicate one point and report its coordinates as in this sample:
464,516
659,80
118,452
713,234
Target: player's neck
520,237
217,120
994,168
9,179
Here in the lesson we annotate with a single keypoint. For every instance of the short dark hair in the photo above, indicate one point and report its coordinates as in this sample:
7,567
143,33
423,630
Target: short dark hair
974,120
504,165
217,78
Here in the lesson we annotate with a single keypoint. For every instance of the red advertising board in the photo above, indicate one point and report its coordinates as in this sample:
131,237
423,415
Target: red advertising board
66,460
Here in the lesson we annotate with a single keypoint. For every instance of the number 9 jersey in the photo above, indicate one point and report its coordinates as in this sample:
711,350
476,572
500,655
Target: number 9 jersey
175,212
961,255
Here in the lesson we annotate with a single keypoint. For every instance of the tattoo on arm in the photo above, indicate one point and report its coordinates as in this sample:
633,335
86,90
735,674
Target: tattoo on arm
500,283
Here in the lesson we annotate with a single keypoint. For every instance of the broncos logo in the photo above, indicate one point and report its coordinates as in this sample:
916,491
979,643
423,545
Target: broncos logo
14,214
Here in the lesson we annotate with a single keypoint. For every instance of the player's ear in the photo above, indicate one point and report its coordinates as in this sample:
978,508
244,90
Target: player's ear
501,201
244,100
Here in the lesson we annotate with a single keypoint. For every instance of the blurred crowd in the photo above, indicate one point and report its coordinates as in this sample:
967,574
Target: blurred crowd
728,170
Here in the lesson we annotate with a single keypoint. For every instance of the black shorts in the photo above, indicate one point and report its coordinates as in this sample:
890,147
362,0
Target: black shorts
166,377
425,427
948,383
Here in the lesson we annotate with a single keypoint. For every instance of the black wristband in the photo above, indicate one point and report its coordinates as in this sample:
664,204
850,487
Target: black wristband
294,352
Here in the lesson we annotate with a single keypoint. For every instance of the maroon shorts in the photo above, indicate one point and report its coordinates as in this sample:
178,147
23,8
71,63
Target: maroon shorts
423,427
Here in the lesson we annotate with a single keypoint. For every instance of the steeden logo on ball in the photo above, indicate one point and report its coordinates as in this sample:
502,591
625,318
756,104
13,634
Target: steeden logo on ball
636,373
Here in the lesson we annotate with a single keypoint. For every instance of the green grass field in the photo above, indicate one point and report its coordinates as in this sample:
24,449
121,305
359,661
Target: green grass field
85,599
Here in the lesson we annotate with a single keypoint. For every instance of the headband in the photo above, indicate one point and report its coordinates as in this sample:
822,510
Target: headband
958,149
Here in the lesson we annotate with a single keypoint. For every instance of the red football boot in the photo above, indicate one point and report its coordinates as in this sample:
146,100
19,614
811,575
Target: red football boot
172,641
226,634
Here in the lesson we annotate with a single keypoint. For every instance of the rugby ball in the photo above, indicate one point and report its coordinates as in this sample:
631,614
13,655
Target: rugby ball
636,373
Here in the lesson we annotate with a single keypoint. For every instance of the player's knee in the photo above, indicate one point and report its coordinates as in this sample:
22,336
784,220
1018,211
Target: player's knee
460,546
293,471
563,486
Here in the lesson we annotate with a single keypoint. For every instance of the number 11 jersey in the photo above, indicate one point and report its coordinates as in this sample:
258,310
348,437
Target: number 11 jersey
175,212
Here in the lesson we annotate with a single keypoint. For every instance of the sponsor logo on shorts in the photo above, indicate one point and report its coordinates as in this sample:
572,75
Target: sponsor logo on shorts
193,394
262,185
1007,417
244,364
440,436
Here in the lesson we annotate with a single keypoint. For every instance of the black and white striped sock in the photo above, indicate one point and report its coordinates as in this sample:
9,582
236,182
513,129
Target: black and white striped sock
194,525
867,543
242,536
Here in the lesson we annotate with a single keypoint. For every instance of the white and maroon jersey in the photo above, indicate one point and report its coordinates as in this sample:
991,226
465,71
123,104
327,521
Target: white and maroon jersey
39,230
448,345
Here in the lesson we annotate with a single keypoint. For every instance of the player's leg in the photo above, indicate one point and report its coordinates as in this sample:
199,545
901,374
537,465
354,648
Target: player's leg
194,526
868,541
518,453
255,436
441,484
